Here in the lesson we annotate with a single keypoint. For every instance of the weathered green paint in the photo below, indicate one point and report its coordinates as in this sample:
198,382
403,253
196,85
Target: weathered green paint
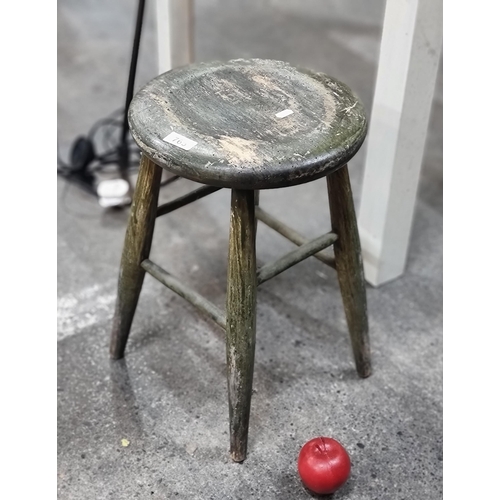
229,110
186,292
291,235
349,264
306,250
240,323
186,199
136,248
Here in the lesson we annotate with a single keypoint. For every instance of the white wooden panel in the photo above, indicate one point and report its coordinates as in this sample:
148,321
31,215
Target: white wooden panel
174,20
408,63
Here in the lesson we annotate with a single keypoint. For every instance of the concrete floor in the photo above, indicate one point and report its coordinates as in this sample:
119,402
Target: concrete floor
168,398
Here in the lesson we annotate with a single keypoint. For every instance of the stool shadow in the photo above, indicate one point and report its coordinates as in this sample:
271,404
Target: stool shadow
273,383
125,407
170,368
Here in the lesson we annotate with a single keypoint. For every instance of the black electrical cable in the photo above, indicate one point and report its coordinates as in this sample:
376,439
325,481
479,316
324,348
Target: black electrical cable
101,147
99,150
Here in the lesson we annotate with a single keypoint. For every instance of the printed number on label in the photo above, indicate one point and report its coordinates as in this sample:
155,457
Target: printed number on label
179,141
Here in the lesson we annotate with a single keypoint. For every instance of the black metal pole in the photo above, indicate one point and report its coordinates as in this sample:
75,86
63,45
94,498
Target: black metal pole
124,150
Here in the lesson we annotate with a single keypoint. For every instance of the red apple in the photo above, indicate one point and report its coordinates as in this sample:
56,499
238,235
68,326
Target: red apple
324,465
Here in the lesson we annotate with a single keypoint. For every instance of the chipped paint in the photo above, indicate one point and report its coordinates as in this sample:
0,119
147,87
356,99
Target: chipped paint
240,151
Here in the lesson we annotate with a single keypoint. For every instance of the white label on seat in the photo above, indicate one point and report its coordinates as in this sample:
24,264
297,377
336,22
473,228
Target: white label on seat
284,113
180,141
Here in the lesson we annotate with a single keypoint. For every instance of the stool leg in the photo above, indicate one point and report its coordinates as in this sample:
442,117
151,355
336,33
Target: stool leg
240,323
349,263
136,248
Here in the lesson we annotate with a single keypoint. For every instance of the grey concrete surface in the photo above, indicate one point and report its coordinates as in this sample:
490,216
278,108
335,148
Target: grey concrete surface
168,397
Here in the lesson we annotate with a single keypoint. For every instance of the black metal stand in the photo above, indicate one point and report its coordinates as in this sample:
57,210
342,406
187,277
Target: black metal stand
123,148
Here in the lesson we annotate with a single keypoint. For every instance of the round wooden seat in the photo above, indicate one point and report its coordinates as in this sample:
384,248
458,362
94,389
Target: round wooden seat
247,124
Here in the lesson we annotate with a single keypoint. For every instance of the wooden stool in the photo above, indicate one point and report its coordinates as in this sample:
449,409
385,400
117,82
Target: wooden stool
245,125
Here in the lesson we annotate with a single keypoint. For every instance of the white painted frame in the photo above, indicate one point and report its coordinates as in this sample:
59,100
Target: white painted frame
409,59
174,28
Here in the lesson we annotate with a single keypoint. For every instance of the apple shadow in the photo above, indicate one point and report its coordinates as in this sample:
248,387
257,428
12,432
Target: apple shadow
344,492
293,487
